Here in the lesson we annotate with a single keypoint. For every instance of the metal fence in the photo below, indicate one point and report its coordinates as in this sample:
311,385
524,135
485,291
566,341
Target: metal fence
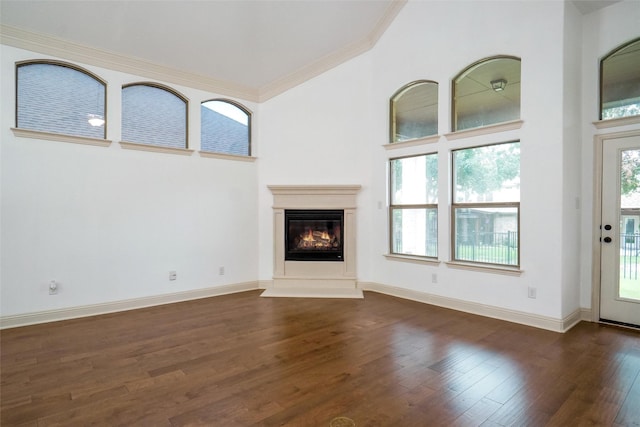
495,248
629,250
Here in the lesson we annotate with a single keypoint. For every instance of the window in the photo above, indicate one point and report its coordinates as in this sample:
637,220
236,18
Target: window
486,204
154,115
414,111
60,98
486,93
413,209
225,128
620,82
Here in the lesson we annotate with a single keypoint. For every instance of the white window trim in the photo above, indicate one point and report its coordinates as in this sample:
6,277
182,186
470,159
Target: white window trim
485,268
412,142
155,148
60,137
212,155
621,121
485,130
412,259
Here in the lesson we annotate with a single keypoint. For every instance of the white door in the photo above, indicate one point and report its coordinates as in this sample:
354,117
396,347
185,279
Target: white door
620,231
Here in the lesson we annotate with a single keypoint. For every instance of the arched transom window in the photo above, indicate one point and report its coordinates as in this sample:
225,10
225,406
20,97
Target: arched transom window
620,82
414,111
57,97
225,128
155,115
486,93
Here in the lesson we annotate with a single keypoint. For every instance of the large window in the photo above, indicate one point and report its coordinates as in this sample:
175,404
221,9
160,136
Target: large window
154,115
487,93
225,128
620,82
414,111
413,209
60,98
486,204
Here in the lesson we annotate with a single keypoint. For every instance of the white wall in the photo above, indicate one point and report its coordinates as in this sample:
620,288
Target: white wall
571,204
318,133
346,110
108,223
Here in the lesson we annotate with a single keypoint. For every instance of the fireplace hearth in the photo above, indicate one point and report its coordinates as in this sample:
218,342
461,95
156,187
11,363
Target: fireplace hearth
313,235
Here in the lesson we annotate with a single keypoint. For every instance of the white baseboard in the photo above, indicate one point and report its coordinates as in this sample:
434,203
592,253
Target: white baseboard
17,320
542,322
313,293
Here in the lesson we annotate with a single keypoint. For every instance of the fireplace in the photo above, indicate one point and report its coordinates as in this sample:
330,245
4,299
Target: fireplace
314,241
313,235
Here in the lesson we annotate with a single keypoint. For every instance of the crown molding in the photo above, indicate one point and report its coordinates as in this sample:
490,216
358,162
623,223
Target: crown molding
333,59
72,51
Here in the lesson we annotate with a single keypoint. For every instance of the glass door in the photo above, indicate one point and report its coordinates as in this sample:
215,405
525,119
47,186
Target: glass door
620,231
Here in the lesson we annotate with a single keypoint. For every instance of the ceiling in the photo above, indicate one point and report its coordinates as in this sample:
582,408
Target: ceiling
251,49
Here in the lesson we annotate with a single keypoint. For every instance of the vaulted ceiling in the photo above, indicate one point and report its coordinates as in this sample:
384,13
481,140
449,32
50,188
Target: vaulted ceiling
251,49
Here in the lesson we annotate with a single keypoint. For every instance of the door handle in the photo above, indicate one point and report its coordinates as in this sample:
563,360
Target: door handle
607,227
607,239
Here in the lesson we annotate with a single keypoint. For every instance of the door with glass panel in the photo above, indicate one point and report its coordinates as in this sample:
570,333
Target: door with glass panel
620,230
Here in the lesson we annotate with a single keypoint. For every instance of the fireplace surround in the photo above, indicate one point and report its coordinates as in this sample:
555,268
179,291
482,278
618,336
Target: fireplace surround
329,271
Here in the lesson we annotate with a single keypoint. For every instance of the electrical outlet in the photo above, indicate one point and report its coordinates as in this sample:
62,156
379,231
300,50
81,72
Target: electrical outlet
434,278
53,287
532,292
221,271
173,275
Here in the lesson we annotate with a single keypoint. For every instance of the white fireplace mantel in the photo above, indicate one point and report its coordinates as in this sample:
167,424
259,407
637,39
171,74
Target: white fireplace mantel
330,279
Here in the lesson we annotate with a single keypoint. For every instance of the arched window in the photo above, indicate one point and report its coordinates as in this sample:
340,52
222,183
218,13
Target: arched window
620,82
487,92
225,128
53,96
155,115
414,111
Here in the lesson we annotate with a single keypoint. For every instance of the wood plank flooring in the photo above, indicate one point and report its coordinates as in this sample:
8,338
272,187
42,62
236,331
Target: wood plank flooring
242,360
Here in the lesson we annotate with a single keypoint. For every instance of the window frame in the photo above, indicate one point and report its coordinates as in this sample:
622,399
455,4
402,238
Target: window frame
466,70
602,82
392,110
70,66
249,127
171,91
479,205
424,206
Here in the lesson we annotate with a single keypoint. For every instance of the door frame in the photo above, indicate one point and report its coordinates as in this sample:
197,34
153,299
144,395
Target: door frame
596,252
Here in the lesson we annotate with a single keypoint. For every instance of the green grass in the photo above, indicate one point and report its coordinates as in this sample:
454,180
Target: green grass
630,287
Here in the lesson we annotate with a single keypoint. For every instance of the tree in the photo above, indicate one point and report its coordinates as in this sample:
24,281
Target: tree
629,171
483,170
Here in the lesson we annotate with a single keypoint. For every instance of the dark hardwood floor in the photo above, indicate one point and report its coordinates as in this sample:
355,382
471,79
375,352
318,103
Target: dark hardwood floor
242,360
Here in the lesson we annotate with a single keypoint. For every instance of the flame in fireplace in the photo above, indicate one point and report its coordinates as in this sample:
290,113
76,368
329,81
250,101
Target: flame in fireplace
317,239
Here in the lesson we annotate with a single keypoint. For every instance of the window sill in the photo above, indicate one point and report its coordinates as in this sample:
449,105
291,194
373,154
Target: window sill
60,137
155,148
412,142
485,130
223,156
508,271
622,121
412,259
